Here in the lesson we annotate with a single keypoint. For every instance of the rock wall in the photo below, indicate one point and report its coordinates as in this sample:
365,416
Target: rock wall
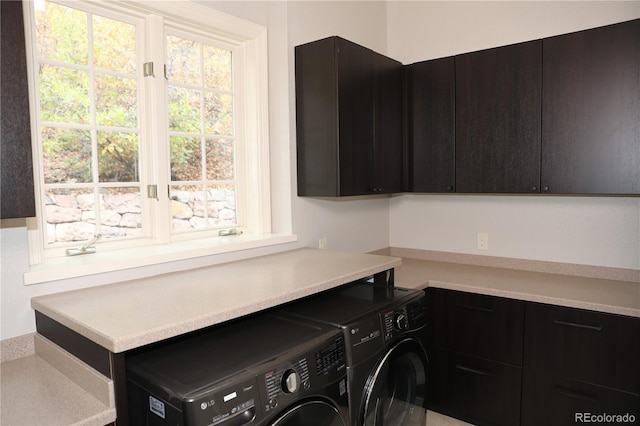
72,217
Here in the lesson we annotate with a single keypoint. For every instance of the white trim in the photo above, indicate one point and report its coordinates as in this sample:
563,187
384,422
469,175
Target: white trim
250,40
112,261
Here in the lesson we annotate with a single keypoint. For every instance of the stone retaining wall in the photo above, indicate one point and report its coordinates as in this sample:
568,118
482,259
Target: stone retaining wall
73,217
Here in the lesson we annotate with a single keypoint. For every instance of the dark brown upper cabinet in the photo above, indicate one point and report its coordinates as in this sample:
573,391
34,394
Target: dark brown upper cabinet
349,120
17,192
431,125
498,113
591,111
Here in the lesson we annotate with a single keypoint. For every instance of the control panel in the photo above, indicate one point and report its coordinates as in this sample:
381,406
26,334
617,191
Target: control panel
408,317
330,357
285,382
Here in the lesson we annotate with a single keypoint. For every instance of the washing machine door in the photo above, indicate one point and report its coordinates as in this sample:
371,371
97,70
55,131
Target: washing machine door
396,391
310,413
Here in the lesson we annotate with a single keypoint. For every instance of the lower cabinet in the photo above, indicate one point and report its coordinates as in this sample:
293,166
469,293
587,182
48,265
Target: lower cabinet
555,400
475,356
580,364
474,389
569,366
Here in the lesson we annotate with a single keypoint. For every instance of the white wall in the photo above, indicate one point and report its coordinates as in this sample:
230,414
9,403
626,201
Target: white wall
584,230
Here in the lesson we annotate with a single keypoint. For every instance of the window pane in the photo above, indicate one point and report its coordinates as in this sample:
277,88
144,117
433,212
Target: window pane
64,95
223,211
187,207
192,208
66,214
218,113
220,159
183,60
62,33
186,159
66,155
118,157
116,101
217,68
184,109
121,212
114,45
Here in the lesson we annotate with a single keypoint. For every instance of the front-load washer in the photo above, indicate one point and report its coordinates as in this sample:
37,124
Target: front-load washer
263,370
384,329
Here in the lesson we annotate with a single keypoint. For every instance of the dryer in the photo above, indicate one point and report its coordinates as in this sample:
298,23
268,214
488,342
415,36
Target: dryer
384,330
259,371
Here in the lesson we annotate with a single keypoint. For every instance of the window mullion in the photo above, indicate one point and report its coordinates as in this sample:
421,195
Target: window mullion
156,105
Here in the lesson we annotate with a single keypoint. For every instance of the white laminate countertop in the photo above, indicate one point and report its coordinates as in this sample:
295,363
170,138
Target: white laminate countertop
615,297
131,314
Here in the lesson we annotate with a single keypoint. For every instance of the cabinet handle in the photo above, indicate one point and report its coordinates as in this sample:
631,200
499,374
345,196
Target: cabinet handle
545,189
534,188
475,308
575,394
576,325
473,370
449,188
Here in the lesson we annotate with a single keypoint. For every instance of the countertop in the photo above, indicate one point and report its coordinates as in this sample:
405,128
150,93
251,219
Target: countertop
51,387
131,314
611,296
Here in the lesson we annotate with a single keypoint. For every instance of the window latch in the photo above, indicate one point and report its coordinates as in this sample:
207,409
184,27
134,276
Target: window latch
85,249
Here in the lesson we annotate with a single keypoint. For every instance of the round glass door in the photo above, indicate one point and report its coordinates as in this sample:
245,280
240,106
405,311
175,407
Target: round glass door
312,413
395,394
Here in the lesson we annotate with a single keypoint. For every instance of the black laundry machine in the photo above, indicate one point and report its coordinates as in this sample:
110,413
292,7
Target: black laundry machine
384,330
263,370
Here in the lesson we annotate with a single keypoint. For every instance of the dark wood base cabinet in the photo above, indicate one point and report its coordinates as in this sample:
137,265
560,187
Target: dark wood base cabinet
473,389
554,400
497,361
475,356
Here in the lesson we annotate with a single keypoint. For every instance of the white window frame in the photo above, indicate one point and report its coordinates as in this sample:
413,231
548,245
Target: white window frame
250,41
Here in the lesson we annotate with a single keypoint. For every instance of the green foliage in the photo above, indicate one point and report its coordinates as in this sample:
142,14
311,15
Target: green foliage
88,81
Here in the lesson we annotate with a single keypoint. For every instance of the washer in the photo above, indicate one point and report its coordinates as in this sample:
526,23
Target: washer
263,370
384,328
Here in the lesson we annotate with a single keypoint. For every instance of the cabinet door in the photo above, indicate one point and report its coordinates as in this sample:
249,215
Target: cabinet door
317,118
498,110
479,325
474,389
558,401
355,118
389,153
591,111
588,346
17,190
431,123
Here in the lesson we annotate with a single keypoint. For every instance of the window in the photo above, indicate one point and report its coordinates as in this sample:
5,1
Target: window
150,122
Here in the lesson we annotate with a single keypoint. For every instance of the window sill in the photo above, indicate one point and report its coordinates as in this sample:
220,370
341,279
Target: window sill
90,264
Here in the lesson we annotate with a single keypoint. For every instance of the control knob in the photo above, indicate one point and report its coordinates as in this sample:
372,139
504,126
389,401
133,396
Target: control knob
400,322
290,381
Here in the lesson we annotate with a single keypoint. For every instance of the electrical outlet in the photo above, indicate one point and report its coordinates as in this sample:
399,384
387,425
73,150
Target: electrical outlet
322,243
483,241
